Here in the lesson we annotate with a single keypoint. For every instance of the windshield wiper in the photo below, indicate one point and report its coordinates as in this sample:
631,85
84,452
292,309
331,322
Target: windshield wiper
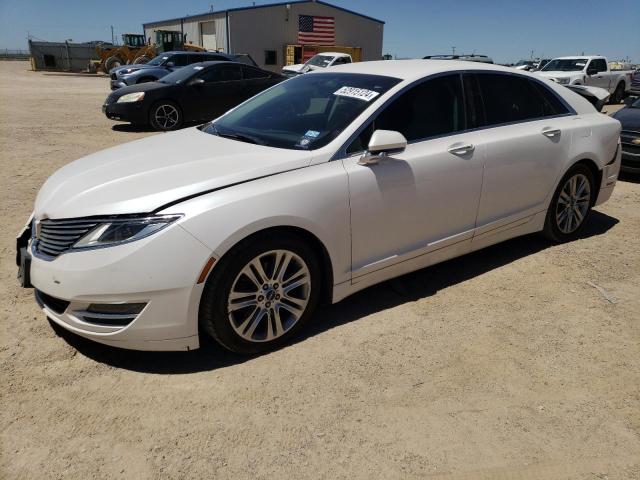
241,137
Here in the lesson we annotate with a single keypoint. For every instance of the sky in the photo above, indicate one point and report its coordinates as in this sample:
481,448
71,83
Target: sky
505,30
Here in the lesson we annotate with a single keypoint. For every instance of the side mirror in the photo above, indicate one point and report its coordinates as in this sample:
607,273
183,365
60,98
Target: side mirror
381,144
170,64
592,71
196,82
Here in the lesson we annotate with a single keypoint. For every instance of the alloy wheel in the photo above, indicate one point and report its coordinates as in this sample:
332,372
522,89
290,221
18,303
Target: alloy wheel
167,116
573,203
269,296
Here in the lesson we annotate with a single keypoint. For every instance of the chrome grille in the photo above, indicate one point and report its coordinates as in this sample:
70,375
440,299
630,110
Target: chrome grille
57,236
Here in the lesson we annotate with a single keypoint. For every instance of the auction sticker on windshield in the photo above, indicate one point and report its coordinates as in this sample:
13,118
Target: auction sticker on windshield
359,93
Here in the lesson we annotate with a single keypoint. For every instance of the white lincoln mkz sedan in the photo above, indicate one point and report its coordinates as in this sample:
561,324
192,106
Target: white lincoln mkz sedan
312,190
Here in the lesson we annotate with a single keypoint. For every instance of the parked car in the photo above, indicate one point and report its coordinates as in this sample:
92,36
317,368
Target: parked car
629,117
634,89
197,92
525,65
321,60
464,58
319,187
591,71
166,63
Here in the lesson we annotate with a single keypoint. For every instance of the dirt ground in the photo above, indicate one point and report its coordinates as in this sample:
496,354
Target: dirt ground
507,363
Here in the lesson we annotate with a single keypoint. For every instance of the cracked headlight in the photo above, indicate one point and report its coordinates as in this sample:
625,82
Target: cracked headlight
118,231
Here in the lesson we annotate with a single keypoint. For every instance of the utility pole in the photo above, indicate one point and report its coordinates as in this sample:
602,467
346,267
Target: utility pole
453,50
113,39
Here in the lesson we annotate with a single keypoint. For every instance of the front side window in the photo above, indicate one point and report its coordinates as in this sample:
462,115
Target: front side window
433,108
512,98
599,65
305,112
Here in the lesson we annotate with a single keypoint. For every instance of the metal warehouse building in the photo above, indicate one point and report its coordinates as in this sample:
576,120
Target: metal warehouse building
281,33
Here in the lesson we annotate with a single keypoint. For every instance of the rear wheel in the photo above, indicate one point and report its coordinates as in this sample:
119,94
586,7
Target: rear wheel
570,205
261,293
165,115
618,94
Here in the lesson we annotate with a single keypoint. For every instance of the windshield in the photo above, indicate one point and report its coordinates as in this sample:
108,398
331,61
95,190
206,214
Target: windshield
305,112
159,60
182,74
524,62
565,65
320,61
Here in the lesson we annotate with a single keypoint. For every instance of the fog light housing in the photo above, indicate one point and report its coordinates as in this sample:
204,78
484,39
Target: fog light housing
111,314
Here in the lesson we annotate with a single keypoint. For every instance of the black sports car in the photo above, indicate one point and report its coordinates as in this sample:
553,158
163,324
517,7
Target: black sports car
198,92
629,117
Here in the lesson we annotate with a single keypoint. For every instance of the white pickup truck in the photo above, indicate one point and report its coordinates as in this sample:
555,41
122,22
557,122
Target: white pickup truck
321,60
592,71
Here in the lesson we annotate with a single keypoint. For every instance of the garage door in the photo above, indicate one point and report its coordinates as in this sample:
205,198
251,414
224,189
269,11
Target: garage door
208,32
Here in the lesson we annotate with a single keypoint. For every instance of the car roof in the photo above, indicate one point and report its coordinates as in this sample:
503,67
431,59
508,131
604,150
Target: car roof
579,57
412,69
335,54
209,63
184,52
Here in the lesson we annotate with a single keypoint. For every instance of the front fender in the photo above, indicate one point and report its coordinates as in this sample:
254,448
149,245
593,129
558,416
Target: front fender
315,199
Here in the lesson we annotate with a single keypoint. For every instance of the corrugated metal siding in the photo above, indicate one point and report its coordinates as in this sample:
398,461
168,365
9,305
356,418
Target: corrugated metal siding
271,28
255,30
71,57
192,29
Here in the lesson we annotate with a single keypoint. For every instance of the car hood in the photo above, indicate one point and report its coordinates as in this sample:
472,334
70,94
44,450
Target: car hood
629,118
141,176
138,66
293,68
558,74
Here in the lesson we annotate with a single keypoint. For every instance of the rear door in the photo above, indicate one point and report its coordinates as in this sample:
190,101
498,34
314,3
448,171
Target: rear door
527,133
256,80
601,78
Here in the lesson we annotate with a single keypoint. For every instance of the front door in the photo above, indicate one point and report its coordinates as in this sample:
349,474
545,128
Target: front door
222,90
424,198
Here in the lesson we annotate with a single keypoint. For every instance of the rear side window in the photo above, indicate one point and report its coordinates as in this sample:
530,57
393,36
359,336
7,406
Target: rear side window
212,58
251,73
221,73
434,107
512,98
180,60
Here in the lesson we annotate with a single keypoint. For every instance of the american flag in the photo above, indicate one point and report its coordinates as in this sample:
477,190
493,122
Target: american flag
314,30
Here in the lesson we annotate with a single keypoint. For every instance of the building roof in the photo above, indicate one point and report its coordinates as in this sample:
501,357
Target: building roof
187,17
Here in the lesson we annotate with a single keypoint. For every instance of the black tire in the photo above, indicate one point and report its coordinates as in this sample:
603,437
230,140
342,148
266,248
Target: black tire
142,59
146,80
160,112
618,94
214,315
552,228
113,62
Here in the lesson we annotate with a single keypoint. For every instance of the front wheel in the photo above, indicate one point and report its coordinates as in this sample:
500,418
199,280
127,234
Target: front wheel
570,205
165,115
261,293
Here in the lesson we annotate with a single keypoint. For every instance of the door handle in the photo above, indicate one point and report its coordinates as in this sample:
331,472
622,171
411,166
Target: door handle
551,132
461,148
